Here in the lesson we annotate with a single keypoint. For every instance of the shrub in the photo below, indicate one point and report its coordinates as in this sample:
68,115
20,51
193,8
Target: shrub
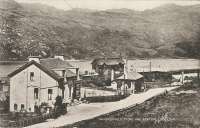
43,107
60,108
6,104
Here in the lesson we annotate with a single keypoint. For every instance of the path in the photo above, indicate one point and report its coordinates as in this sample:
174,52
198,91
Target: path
89,111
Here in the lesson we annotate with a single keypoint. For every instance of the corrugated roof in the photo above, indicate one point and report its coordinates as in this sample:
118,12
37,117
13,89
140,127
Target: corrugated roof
55,63
130,76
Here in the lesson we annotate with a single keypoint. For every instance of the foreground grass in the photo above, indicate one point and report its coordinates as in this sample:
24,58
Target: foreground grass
174,110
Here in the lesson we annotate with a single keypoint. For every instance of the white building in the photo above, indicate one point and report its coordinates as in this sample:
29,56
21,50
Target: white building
36,82
85,67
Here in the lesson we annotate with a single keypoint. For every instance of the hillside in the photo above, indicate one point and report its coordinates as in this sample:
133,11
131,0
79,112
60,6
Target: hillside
34,29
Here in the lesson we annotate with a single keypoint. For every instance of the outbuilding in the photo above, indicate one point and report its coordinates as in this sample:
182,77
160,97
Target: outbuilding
129,83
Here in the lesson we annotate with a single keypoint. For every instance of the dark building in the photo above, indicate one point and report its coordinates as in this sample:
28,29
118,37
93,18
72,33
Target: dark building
108,68
129,82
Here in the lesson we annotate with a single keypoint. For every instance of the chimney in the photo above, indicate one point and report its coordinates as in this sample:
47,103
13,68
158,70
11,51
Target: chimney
35,58
59,57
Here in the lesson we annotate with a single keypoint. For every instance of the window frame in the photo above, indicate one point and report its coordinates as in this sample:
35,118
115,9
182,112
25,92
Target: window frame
32,74
15,107
50,93
36,93
22,106
1,87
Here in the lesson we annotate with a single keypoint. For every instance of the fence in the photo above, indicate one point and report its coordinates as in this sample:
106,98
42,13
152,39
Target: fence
157,84
111,98
91,92
31,120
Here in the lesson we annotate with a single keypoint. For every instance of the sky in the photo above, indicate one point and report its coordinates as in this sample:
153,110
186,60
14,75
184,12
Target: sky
138,5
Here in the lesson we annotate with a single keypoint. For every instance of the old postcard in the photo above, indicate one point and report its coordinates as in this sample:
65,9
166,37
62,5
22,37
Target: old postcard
99,63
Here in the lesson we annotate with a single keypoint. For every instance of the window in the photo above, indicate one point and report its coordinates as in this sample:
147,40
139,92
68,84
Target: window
35,93
1,87
50,92
63,73
36,109
86,73
31,76
22,106
15,107
2,81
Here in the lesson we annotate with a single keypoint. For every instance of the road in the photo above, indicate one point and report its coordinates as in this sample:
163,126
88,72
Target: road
89,111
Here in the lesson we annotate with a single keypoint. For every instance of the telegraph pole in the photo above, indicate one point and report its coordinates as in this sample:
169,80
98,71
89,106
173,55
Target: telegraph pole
150,66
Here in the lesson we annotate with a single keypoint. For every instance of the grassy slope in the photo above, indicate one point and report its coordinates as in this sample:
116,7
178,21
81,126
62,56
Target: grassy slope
171,111
37,29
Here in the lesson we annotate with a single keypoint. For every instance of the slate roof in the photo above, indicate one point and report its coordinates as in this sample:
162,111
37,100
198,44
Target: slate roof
43,68
108,61
69,73
130,76
55,63
58,64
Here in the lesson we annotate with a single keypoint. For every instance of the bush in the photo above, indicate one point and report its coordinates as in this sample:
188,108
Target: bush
101,81
60,108
43,107
6,104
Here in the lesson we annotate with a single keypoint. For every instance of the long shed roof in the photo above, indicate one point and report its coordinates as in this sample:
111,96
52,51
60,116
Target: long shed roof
163,65
130,76
108,61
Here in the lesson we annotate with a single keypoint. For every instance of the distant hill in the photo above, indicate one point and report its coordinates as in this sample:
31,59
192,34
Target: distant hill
35,29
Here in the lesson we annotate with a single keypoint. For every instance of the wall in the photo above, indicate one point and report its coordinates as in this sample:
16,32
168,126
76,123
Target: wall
83,65
90,92
68,93
22,88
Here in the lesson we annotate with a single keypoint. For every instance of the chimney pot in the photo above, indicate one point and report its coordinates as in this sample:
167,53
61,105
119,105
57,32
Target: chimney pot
59,57
35,58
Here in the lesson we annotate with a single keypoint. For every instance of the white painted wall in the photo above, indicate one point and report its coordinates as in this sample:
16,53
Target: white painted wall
89,92
22,88
68,93
178,76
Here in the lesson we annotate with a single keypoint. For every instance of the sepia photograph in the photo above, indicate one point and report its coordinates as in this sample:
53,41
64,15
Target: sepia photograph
99,63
